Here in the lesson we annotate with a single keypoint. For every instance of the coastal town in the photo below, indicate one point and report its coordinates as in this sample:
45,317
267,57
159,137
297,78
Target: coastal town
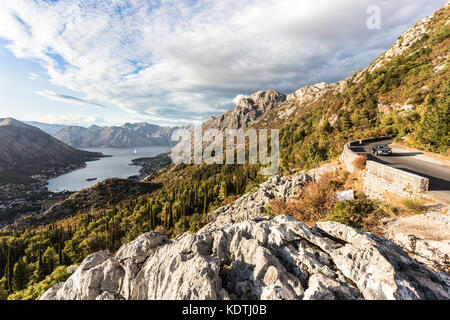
24,199
19,201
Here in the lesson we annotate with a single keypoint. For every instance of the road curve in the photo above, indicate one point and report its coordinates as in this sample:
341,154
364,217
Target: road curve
438,174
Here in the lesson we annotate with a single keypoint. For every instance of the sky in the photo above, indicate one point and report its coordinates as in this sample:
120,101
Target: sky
173,62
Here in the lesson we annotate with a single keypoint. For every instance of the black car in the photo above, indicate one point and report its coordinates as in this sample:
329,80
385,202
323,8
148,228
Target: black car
381,150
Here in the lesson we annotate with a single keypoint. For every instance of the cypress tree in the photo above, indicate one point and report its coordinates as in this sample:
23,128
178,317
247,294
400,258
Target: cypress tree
204,204
9,272
20,277
60,253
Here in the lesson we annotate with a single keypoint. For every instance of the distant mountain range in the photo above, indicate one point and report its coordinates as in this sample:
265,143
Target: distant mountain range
51,129
24,147
128,135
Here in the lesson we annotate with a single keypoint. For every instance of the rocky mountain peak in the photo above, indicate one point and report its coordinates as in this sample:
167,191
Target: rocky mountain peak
310,92
14,123
405,41
127,135
248,110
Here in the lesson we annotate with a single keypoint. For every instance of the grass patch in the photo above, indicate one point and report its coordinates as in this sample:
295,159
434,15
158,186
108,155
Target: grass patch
364,214
414,205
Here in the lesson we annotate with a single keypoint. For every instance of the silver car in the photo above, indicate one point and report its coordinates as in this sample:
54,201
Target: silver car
381,150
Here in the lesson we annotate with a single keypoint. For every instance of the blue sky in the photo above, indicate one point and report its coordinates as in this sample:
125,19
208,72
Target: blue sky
178,62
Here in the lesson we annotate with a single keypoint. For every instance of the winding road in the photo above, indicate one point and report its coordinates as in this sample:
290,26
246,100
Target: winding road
413,162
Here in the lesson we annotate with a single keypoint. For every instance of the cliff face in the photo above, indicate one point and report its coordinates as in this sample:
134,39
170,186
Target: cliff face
243,254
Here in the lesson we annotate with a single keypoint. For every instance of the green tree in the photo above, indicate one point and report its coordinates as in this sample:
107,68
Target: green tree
9,272
223,192
434,128
3,291
20,275
345,121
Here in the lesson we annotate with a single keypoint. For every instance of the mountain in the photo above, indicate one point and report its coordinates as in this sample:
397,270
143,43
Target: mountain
128,135
24,147
220,232
248,110
243,256
51,129
405,94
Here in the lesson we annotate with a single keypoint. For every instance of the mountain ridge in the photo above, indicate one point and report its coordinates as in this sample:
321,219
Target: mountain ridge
26,147
127,135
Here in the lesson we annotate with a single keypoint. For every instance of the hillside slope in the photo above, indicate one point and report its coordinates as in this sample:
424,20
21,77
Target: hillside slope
48,128
25,147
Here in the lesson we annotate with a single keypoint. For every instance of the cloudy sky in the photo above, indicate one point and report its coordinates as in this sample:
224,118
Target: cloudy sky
175,62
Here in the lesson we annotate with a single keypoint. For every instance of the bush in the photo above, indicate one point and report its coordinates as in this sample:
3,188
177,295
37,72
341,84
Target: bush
196,223
414,205
312,204
60,274
352,212
360,162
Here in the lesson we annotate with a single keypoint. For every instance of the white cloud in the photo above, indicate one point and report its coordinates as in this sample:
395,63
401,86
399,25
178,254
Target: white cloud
238,98
67,99
173,60
73,119
33,76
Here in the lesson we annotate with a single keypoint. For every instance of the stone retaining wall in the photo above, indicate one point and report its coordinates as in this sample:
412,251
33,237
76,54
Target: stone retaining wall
379,178
348,156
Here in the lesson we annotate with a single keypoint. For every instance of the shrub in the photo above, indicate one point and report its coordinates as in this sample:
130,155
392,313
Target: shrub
312,203
196,222
345,175
181,226
360,162
60,274
352,212
415,205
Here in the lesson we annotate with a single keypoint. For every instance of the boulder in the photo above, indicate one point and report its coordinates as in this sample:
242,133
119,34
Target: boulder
262,258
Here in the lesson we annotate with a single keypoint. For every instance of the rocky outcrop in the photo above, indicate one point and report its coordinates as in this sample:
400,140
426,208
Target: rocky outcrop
309,93
264,258
243,254
426,237
404,42
248,110
254,204
296,101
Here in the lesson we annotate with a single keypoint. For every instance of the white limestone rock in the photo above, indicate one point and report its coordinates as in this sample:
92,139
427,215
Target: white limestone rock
263,258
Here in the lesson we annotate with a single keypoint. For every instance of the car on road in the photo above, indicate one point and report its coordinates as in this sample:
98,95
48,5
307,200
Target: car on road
381,150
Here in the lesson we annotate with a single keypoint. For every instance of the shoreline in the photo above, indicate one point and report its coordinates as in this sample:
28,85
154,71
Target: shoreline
150,165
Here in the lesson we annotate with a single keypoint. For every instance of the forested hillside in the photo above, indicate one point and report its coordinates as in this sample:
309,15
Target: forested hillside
406,96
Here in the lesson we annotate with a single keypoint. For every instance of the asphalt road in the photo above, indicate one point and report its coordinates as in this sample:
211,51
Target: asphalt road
439,175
